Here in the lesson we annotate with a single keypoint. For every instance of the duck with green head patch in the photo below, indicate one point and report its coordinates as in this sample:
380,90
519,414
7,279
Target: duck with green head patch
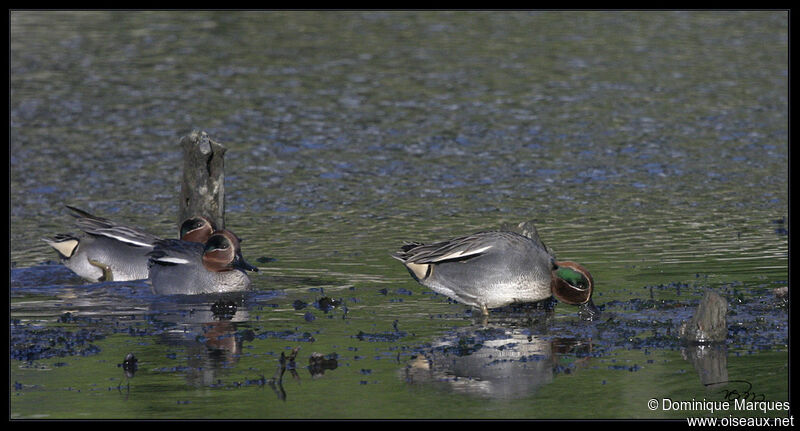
189,268
497,268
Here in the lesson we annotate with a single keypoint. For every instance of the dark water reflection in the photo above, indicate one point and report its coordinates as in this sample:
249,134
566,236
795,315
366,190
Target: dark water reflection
650,147
496,361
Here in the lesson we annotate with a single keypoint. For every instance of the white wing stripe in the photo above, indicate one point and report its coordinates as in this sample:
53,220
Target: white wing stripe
128,240
462,253
168,259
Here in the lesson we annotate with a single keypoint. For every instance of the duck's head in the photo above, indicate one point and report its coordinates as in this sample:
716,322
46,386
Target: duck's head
197,229
572,284
223,253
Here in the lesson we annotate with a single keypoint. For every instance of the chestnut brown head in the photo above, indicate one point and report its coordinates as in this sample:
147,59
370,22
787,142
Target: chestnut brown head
197,229
223,253
571,283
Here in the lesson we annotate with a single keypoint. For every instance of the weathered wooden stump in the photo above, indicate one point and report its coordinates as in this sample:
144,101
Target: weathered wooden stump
709,324
203,181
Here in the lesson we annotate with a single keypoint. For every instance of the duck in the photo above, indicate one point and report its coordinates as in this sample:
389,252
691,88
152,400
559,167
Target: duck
492,269
188,268
109,251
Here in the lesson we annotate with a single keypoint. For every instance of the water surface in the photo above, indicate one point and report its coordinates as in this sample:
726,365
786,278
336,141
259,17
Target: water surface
651,147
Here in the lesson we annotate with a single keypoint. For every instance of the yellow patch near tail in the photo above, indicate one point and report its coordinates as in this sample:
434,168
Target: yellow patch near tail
420,270
66,248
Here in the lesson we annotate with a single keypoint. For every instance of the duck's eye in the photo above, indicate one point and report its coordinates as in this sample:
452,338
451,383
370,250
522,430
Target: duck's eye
573,278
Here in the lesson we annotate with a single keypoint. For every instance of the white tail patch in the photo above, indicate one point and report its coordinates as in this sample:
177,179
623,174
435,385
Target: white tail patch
462,253
66,248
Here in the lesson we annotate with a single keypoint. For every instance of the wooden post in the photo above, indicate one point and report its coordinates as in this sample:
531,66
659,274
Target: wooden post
708,325
203,181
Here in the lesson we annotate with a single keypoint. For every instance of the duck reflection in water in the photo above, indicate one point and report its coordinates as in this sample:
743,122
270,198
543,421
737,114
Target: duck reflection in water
495,361
206,330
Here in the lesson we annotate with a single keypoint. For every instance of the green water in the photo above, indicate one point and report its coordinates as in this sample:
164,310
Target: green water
651,147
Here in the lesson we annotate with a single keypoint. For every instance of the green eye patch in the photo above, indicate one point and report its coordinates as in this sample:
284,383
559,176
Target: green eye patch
574,278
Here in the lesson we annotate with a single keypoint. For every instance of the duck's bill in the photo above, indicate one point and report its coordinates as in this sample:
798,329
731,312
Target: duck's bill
242,264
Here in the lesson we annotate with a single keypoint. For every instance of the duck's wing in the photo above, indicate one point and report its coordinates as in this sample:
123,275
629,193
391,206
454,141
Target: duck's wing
94,225
175,252
460,248
527,229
